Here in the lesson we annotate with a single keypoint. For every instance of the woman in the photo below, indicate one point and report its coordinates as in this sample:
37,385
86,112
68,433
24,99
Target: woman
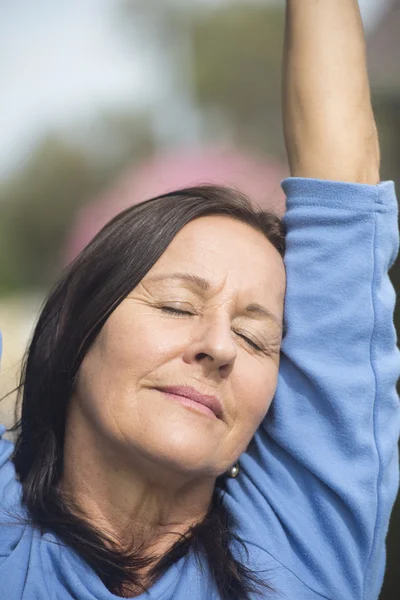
149,459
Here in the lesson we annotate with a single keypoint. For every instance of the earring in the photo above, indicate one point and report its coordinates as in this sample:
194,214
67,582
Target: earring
234,471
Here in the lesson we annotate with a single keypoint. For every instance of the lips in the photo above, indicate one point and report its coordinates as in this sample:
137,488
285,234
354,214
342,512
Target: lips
211,402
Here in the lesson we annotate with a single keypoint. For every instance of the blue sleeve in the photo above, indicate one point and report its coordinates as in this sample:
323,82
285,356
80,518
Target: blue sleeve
328,446
10,497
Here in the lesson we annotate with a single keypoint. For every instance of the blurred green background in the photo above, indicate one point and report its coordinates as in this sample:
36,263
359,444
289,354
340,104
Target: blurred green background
98,87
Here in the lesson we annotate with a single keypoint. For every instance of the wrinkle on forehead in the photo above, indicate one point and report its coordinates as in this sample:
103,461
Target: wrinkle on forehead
217,254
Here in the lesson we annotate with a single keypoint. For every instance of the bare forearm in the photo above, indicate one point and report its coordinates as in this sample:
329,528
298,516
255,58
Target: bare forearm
329,125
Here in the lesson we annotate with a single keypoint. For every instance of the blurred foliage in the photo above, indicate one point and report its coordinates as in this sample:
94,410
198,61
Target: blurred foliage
387,113
40,199
36,205
236,55
238,58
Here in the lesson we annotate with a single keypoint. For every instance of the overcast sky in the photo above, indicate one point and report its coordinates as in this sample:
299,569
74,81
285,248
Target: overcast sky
63,60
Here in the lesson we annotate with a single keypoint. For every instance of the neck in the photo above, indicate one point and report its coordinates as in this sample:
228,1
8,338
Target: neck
129,496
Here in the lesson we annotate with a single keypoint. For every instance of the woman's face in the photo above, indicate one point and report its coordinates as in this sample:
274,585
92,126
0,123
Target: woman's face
194,320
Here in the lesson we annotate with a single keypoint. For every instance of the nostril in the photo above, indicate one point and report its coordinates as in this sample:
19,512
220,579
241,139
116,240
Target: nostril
201,355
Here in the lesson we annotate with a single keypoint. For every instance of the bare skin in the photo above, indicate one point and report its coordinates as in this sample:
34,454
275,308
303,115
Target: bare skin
329,125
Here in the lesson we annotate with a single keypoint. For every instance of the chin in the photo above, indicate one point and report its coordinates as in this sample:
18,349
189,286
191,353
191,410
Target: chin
187,458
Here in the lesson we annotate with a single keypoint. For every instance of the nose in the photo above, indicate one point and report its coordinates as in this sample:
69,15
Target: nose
213,344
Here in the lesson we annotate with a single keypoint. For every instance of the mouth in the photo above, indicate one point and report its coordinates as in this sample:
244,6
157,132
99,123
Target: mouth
188,396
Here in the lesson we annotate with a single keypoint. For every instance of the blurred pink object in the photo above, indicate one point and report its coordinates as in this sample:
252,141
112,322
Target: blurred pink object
257,177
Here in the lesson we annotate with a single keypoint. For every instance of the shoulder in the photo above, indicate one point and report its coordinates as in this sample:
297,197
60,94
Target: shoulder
12,522
7,471
6,447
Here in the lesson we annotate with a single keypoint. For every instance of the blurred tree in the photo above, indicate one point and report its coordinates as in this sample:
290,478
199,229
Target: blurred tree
221,66
39,200
387,112
238,57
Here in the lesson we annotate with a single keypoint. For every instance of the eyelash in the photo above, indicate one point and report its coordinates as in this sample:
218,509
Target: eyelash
177,312
250,342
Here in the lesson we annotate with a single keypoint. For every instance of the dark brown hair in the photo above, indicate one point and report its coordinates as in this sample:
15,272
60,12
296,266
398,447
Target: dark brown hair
97,281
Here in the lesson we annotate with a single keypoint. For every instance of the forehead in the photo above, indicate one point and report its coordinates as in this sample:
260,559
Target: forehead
230,254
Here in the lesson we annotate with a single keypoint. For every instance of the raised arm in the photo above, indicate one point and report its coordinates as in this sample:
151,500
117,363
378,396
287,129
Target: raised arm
329,126
325,459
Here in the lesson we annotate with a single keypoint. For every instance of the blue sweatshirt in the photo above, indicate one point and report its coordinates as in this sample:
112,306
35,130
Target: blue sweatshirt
317,485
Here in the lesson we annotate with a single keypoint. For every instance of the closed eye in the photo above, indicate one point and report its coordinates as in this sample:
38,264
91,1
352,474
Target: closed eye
174,311
178,312
250,342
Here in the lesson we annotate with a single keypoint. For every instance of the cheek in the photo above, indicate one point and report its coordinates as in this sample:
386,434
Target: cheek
125,352
123,355
132,345
106,386
256,387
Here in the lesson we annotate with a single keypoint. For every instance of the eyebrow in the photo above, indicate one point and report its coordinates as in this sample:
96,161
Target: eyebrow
205,285
199,282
